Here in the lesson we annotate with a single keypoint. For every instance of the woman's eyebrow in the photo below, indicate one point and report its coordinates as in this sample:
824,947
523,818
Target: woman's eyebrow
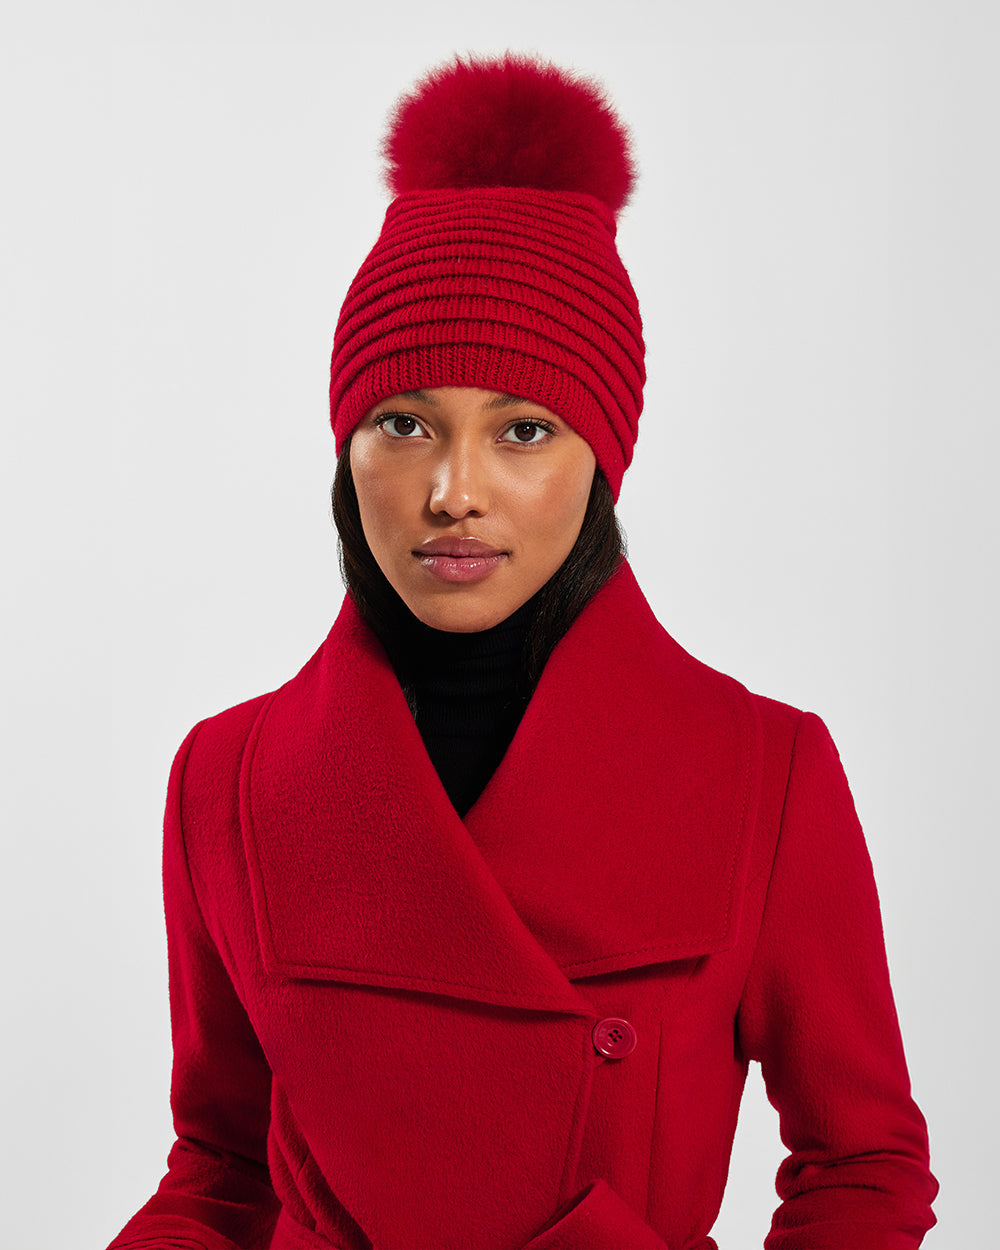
504,401
499,401
422,397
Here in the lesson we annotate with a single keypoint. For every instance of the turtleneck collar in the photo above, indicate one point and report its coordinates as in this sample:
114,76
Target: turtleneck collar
467,694
418,652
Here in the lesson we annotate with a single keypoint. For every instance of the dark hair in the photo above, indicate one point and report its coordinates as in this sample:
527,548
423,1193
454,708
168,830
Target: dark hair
596,554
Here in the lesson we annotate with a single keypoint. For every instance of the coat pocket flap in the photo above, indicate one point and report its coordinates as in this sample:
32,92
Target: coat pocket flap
599,1220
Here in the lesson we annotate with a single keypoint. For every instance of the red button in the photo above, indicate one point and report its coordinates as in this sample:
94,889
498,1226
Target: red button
614,1038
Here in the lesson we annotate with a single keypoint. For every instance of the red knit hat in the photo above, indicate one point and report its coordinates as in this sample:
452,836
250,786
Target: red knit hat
496,266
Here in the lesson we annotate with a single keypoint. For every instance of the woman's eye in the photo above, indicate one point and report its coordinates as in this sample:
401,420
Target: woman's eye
526,432
399,426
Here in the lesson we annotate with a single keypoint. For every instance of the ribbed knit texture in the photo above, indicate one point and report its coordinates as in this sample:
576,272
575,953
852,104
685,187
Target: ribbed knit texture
510,289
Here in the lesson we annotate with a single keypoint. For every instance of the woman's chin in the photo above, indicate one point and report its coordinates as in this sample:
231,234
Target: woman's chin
462,611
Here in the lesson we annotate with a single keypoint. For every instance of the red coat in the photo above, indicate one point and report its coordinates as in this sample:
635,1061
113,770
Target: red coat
383,1014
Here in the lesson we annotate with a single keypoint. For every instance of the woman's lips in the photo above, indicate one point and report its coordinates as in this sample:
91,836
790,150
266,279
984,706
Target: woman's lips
459,559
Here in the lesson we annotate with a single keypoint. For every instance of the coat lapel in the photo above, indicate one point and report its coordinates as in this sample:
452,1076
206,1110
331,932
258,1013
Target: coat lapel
614,833
361,869
619,821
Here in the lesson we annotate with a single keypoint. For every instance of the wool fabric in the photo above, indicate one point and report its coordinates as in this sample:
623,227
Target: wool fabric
513,288
383,1013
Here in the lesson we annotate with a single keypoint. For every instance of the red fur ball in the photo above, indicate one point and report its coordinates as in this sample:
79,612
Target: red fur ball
509,122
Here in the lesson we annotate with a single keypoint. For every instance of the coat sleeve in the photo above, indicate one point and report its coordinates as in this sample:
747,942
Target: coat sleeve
216,1194
818,1014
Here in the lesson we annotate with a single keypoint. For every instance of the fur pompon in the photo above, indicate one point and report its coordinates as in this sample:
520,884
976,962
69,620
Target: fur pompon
511,121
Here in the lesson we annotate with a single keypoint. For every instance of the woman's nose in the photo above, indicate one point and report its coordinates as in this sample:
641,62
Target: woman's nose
459,487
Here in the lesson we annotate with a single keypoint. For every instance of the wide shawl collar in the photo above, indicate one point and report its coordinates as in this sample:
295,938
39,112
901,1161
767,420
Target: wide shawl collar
615,832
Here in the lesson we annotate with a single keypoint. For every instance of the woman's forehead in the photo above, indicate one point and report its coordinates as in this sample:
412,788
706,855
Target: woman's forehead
459,399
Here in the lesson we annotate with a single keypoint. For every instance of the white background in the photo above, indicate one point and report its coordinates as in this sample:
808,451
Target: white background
189,187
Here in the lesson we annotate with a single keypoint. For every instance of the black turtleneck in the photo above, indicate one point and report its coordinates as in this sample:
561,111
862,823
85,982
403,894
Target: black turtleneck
468,696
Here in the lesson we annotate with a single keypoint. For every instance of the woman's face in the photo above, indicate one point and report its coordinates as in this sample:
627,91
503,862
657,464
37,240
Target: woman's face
470,500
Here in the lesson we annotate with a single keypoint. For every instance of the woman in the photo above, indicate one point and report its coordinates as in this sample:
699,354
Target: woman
476,923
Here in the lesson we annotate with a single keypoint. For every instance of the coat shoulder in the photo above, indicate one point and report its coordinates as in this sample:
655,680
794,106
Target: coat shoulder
206,769
775,727
778,721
